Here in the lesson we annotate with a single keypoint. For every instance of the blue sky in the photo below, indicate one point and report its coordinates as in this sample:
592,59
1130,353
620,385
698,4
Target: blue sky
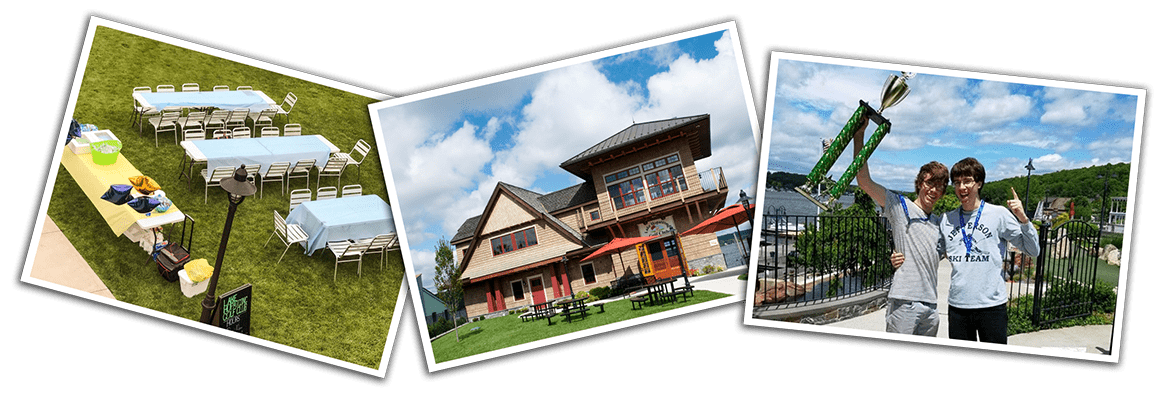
947,118
447,152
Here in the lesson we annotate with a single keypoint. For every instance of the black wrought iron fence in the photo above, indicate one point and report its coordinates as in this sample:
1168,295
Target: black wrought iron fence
811,259
1059,284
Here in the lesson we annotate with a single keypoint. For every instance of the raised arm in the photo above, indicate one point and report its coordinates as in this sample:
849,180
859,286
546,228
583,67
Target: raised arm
875,191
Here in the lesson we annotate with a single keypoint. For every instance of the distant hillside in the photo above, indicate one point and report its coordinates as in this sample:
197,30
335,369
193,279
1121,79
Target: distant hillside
1070,183
789,181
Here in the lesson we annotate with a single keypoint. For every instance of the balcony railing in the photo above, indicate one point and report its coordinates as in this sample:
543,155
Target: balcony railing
712,179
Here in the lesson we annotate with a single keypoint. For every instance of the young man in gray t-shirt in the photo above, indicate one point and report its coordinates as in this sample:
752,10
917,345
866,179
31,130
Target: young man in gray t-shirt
913,297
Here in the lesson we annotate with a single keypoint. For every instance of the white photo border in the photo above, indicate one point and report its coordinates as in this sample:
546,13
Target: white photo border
761,188
50,167
379,134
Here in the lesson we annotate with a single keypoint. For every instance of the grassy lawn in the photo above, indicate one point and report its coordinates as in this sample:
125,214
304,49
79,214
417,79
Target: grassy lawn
296,303
507,331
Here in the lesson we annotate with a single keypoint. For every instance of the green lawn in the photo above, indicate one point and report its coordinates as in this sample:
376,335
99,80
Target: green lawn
507,331
296,303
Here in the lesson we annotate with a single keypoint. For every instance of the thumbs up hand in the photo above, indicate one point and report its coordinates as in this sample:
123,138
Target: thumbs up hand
1017,207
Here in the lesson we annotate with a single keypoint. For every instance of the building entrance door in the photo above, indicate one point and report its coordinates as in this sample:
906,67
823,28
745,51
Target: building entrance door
664,258
537,287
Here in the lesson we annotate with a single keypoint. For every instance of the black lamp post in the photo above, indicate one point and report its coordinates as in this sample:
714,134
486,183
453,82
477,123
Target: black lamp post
238,188
1028,191
745,201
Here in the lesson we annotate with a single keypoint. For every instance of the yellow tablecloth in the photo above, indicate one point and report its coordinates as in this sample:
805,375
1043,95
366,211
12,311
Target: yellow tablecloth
96,179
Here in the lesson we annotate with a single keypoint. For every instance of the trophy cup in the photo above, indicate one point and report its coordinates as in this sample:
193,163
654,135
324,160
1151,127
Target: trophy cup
893,92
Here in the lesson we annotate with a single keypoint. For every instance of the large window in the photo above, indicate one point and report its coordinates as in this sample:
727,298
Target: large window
587,273
662,177
513,241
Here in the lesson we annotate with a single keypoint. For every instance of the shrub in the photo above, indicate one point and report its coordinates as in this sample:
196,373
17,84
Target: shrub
584,294
1115,239
439,327
601,292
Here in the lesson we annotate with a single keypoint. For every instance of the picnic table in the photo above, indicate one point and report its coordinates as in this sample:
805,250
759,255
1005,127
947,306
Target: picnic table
253,100
349,218
543,310
657,292
573,306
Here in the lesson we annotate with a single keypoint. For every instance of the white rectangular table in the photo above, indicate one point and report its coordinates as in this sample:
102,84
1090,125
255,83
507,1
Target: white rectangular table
261,150
255,101
349,218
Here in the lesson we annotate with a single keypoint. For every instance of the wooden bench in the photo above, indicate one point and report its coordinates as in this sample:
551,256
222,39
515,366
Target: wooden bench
600,307
685,290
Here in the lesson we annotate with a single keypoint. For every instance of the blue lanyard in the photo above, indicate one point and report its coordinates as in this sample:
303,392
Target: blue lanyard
963,226
907,211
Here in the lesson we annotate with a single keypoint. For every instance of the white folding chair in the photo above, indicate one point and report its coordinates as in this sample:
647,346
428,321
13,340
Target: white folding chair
345,251
299,196
237,118
289,234
216,120
352,190
167,122
221,134
356,156
194,134
165,89
262,118
238,88
190,87
276,173
332,168
194,119
381,244
290,100
221,88
324,193
270,131
242,132
292,129
252,170
218,174
301,169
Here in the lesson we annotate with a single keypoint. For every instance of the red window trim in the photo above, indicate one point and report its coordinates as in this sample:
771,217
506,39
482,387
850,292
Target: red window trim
512,236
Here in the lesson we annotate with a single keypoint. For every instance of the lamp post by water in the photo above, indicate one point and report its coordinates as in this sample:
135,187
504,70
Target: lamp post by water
1028,191
238,187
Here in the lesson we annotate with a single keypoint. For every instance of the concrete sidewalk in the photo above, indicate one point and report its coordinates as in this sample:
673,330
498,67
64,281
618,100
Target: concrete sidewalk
58,262
1078,339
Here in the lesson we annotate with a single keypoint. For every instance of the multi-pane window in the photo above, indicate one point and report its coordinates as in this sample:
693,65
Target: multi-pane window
662,177
594,215
587,273
511,242
627,193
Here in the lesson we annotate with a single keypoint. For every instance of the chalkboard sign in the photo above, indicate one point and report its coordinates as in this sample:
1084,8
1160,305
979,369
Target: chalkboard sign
233,310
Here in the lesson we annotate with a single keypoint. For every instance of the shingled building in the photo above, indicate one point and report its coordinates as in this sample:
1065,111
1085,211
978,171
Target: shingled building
526,248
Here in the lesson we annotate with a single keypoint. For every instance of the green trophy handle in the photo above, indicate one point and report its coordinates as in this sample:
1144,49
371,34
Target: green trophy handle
837,146
862,156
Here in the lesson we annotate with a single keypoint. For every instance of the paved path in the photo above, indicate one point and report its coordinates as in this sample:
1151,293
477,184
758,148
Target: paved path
58,262
1078,339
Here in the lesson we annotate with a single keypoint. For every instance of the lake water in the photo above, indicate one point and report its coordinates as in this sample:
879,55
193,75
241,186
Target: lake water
796,204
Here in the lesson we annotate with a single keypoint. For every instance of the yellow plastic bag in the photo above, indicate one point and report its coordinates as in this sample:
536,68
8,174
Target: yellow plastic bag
198,270
144,184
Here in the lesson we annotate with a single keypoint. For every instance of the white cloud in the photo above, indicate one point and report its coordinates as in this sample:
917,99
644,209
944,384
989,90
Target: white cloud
1076,107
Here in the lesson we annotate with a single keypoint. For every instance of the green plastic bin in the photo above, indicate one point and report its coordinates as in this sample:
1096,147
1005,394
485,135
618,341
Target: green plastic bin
105,158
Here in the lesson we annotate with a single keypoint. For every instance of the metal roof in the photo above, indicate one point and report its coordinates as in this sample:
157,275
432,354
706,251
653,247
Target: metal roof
633,134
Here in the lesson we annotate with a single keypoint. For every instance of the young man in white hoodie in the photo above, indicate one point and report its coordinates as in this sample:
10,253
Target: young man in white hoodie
976,237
